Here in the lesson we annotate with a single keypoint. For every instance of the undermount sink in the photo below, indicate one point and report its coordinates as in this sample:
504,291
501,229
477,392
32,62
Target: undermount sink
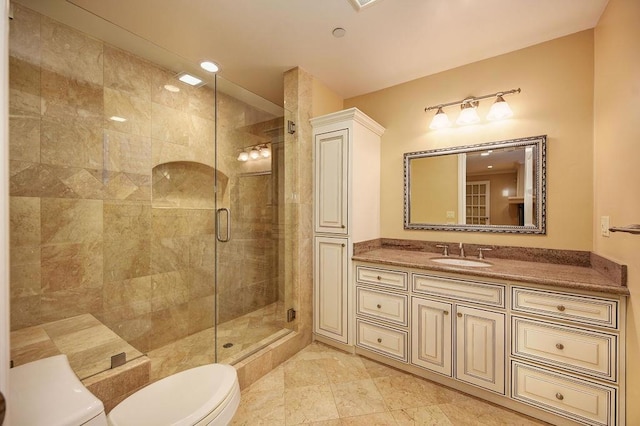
457,261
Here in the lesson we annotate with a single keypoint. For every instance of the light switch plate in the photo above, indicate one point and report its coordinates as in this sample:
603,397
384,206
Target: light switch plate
604,226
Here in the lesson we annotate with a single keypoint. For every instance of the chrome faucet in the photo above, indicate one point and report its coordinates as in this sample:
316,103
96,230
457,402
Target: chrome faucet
445,247
461,250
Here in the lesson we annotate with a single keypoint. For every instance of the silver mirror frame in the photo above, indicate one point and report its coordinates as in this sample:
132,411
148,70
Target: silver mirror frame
540,177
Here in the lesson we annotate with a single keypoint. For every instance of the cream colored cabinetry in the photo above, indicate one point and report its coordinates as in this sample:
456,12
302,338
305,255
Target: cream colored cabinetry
552,354
346,209
566,353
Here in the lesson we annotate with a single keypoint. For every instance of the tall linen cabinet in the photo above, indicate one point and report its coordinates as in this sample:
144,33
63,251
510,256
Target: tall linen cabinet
346,211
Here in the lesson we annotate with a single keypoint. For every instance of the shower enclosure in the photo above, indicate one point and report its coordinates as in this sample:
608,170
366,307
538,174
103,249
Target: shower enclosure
138,230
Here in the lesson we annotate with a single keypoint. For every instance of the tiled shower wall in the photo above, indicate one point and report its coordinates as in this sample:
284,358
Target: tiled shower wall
86,236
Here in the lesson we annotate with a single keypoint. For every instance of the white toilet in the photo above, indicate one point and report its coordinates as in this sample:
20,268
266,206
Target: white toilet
47,392
206,395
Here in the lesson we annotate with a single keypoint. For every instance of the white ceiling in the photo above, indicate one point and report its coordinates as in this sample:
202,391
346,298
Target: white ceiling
387,43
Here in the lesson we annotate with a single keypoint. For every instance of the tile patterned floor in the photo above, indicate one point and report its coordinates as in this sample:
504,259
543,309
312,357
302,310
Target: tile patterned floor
326,387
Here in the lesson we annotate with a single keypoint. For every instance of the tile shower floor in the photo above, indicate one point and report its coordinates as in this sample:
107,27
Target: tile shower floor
324,386
246,334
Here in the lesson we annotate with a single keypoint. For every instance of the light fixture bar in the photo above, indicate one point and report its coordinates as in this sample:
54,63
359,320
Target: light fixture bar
473,99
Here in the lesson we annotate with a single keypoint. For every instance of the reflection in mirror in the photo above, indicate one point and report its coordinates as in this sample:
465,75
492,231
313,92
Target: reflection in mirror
492,187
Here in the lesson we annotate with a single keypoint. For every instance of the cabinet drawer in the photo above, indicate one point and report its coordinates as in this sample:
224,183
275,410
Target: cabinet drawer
381,277
383,306
568,396
484,293
386,341
584,309
570,348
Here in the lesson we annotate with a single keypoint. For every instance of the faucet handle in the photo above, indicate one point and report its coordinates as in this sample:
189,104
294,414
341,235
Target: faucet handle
480,252
445,247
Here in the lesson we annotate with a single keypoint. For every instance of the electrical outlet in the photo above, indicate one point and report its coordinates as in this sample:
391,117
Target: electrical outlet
451,214
604,226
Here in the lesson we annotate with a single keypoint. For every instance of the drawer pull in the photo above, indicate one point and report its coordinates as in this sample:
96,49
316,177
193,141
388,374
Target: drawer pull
379,306
445,312
561,308
560,346
379,277
559,396
459,314
379,340
342,226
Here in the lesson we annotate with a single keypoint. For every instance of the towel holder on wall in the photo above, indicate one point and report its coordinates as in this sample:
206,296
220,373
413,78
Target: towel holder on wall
631,229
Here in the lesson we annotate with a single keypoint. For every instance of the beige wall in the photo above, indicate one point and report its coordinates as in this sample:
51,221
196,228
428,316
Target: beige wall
616,156
502,213
556,78
324,100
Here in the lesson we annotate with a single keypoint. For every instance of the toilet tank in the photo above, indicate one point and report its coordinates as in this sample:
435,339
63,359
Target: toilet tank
47,392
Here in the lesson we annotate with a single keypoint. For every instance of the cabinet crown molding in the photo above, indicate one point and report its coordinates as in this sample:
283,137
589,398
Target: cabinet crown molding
349,114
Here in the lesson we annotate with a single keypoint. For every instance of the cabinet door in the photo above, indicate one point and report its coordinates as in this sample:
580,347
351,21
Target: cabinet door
330,288
480,356
331,182
431,335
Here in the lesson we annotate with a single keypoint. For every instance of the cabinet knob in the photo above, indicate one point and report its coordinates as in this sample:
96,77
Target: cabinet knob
343,245
379,277
459,314
561,308
379,340
379,306
560,346
445,312
342,226
559,396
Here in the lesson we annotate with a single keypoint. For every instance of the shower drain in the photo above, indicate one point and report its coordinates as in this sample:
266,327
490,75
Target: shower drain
227,345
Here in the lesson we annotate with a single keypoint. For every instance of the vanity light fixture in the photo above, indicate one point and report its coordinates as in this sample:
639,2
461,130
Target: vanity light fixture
265,152
243,156
468,110
255,152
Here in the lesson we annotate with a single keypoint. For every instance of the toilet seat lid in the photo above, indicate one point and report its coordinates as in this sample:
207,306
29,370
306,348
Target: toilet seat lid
48,392
178,400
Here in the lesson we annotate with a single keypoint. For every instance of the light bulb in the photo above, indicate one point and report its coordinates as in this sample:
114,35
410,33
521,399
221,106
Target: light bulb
499,110
440,120
265,152
243,156
254,154
468,115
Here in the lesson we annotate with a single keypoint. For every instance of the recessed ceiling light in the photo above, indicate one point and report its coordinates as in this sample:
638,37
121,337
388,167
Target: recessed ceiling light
172,88
489,167
484,154
118,119
360,4
209,66
339,32
190,79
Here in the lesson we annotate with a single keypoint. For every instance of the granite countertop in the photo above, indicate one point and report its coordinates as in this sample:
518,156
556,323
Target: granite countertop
563,276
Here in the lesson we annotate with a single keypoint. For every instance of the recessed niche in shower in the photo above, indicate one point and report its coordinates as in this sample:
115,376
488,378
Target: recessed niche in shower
186,184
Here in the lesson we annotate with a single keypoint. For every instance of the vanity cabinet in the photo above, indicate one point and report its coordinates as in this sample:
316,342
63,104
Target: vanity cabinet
553,354
346,165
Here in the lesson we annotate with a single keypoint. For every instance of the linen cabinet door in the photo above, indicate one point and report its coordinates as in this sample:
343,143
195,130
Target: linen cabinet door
480,355
330,288
431,333
331,182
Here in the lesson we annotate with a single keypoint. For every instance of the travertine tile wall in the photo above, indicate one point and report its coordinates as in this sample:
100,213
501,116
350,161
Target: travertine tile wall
85,234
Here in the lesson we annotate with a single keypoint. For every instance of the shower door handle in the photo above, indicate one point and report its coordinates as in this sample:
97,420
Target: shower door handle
228,214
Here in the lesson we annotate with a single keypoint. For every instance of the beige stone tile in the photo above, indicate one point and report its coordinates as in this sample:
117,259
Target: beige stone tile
308,404
261,408
68,266
38,180
64,327
127,299
169,254
24,35
202,132
126,152
126,219
168,325
71,53
126,258
136,331
65,98
160,95
24,137
119,381
357,398
377,369
202,313
67,303
169,289
169,125
25,312
72,141
121,186
136,111
304,373
377,419
342,368
25,216
335,422
403,392
70,221
472,411
429,415
127,73
273,381
201,283
30,344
